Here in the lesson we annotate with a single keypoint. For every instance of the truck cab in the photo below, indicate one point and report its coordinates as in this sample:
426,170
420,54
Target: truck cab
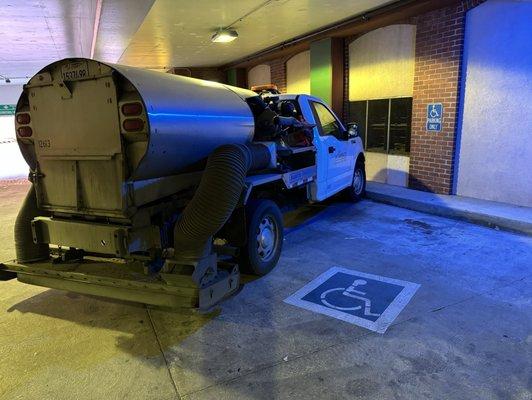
338,149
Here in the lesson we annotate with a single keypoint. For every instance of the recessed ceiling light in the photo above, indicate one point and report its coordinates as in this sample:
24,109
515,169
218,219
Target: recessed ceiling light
224,36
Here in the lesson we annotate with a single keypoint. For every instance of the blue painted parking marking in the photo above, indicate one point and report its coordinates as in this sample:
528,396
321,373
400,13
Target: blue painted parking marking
367,300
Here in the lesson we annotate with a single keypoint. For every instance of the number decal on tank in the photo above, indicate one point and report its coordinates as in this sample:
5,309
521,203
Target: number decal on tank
75,71
46,143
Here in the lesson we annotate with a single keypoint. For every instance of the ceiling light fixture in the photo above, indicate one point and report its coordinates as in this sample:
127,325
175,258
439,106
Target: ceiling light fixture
224,35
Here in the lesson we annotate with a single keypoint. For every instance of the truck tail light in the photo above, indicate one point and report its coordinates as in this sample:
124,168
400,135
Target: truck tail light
132,109
24,131
133,125
23,118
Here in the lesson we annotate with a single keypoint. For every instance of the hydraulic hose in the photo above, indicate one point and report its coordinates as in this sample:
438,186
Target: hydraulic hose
25,249
216,196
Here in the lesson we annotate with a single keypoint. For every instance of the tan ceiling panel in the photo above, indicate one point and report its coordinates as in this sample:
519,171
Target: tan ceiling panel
178,32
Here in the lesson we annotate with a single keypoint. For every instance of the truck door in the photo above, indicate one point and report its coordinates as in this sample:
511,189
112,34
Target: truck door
337,151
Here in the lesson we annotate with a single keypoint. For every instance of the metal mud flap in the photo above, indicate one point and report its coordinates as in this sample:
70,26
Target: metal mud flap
127,281
224,285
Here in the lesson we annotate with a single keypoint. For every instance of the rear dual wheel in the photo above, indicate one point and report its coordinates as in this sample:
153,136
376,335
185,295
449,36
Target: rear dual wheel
264,237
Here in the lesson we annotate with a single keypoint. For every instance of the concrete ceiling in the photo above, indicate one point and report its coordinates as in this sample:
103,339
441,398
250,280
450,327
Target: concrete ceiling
118,23
35,32
155,33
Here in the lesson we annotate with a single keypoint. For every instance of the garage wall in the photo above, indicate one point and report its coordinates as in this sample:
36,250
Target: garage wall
12,165
494,149
298,73
9,93
259,75
381,66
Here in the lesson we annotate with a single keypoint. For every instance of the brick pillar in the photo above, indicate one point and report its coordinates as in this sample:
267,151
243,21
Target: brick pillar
278,73
439,46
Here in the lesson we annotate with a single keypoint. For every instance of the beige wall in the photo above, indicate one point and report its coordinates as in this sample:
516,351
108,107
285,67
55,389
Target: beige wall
259,75
381,63
376,167
298,73
381,66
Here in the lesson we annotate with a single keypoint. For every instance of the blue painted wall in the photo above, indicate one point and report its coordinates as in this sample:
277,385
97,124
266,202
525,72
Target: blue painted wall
494,147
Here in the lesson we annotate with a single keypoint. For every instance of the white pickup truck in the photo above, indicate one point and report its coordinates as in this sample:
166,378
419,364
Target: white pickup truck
333,162
159,188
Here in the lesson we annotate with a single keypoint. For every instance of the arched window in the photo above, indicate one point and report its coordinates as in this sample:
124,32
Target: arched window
381,63
298,73
259,75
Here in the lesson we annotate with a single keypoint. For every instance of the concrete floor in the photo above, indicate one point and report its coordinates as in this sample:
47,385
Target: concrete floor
466,334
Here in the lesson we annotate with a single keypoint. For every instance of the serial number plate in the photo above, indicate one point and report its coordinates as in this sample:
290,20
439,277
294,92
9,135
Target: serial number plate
75,71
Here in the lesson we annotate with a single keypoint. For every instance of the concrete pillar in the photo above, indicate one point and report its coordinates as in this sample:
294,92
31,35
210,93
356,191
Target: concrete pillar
237,77
327,72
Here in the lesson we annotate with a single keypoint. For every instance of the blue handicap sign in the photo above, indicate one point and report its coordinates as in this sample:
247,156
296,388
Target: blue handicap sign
367,300
434,117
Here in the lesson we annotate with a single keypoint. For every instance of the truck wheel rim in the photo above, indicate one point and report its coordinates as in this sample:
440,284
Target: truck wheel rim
266,238
358,181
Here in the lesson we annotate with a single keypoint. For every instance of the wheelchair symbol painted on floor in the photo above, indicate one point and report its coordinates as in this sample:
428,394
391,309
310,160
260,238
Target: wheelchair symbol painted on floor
353,293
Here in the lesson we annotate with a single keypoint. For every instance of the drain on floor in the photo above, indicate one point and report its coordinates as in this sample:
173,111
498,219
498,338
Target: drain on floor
423,226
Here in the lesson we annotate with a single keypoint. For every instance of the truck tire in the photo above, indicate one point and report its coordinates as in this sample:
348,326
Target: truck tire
264,237
357,190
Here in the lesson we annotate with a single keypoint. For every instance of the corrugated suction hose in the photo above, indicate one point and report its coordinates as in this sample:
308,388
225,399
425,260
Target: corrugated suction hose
25,249
216,197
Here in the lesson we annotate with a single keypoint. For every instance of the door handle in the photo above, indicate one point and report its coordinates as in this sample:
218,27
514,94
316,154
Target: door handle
331,149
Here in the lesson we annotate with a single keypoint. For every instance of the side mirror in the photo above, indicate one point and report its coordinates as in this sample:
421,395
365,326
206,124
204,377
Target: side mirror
352,130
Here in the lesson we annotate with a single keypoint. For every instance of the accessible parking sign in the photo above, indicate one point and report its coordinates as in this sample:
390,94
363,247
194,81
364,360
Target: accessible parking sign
434,117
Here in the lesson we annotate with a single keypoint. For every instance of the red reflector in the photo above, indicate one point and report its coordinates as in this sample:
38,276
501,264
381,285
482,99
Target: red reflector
133,125
131,109
24,131
23,119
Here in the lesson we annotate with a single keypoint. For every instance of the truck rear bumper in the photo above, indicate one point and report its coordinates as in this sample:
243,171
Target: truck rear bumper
115,240
126,281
